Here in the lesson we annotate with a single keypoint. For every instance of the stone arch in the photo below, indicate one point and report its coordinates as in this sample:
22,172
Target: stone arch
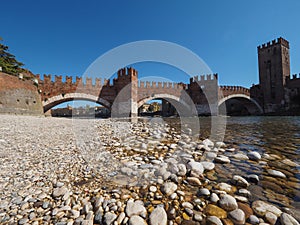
56,100
162,96
241,96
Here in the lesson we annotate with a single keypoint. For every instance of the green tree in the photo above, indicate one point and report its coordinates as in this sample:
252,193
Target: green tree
8,61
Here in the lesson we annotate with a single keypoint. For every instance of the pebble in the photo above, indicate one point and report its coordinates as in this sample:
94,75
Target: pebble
254,156
213,220
204,192
261,208
253,219
158,216
237,216
240,181
195,167
214,198
208,165
109,218
169,188
287,219
136,220
276,173
135,208
228,202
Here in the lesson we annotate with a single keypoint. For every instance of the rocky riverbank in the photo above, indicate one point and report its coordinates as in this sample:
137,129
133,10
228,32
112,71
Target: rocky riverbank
59,171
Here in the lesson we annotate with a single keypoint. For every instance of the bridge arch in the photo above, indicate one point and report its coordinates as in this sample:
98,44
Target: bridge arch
257,109
183,105
58,99
162,96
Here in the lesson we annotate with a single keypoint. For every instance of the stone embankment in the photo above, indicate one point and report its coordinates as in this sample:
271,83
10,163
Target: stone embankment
63,171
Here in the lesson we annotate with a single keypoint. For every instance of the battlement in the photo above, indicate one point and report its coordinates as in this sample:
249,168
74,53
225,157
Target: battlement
129,71
294,77
234,89
58,80
204,78
274,42
161,85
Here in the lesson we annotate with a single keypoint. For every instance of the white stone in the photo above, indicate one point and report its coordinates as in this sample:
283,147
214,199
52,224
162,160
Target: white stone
158,216
254,156
136,220
228,203
135,208
169,188
276,173
261,208
208,165
213,220
240,181
237,216
196,167
287,219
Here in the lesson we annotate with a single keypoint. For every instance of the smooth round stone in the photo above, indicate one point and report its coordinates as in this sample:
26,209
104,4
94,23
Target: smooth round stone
109,218
240,156
168,188
244,192
204,192
261,208
135,208
181,170
194,181
153,189
211,155
121,217
228,203
240,181
241,198
213,220
254,156
187,205
271,218
253,219
208,143
158,216
208,165
136,220
230,149
287,219
226,187
289,163
213,210
214,198
276,173
237,216
196,167
222,159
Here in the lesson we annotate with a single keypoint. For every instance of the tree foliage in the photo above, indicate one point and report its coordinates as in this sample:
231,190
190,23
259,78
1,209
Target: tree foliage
8,61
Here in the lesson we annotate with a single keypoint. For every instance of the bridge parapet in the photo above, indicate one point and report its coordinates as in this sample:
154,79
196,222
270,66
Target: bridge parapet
230,90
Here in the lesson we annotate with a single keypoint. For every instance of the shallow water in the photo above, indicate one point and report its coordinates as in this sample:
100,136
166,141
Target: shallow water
278,137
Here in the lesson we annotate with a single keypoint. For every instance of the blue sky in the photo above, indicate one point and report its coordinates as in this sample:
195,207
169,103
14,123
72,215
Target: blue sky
65,37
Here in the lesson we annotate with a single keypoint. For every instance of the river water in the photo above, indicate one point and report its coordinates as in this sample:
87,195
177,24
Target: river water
277,139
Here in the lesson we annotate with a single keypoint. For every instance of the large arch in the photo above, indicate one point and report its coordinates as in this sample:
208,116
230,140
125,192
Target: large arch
56,100
242,97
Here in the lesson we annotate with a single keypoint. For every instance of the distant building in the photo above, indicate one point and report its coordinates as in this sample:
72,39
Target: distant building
277,91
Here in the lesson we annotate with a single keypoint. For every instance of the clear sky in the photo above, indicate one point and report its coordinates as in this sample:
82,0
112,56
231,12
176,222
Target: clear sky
64,37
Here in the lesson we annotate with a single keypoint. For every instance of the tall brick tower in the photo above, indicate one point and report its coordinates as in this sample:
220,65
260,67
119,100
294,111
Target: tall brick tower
274,67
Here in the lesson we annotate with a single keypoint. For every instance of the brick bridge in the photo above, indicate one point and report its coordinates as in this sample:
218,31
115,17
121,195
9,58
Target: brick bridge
126,94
